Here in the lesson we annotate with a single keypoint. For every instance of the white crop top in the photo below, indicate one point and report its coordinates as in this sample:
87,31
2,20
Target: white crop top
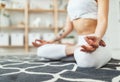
82,9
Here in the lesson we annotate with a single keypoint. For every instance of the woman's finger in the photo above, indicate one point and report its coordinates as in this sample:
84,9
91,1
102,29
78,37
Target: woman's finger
95,44
89,41
102,43
87,48
92,41
37,41
41,41
91,37
35,44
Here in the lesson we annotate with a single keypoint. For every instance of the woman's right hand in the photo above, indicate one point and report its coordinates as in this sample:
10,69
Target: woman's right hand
39,43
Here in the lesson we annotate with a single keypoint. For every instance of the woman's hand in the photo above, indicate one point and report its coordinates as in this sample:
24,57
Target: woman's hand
93,43
39,43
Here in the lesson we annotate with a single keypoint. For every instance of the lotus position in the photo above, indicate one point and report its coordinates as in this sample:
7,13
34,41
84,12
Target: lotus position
89,18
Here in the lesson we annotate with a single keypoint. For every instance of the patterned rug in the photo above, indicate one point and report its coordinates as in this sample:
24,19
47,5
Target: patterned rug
34,69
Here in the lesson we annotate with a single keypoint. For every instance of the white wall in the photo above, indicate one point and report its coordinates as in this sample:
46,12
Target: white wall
114,27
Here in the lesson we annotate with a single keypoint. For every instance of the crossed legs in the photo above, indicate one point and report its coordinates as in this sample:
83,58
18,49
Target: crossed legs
55,51
96,59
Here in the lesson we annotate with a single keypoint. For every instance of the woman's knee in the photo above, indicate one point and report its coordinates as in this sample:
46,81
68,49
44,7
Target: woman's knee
83,59
42,51
51,51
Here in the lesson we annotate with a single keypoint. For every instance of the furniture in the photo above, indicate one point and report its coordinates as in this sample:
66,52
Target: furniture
25,27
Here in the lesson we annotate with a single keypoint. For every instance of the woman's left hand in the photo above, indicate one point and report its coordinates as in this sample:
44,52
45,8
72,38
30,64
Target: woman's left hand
93,43
38,43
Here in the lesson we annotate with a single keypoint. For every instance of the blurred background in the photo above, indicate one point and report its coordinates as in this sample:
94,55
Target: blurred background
23,21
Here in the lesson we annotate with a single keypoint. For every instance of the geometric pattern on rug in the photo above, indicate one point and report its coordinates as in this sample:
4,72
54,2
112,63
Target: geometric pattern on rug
34,69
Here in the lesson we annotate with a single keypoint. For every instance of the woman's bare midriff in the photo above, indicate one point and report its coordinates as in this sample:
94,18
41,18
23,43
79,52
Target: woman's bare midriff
84,26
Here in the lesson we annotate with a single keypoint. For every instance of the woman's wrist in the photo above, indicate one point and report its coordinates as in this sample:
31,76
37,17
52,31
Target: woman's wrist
54,40
99,37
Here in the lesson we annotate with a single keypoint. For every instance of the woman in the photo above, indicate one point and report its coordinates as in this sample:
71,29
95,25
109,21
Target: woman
89,18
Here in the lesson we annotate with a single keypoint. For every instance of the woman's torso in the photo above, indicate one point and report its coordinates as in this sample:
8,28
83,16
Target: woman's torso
84,26
83,14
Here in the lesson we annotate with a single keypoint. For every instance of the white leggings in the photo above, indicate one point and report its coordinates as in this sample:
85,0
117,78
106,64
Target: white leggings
96,59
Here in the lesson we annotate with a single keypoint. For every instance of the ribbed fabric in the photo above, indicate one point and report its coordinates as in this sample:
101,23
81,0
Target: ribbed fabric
82,9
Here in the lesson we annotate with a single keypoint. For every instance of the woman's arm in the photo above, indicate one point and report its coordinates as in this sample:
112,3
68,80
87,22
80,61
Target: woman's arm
65,31
103,7
95,39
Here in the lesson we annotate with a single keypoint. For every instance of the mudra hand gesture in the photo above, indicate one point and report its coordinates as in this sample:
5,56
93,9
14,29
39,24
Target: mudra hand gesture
39,43
94,42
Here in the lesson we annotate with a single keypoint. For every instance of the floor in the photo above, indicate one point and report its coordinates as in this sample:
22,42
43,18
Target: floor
31,68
